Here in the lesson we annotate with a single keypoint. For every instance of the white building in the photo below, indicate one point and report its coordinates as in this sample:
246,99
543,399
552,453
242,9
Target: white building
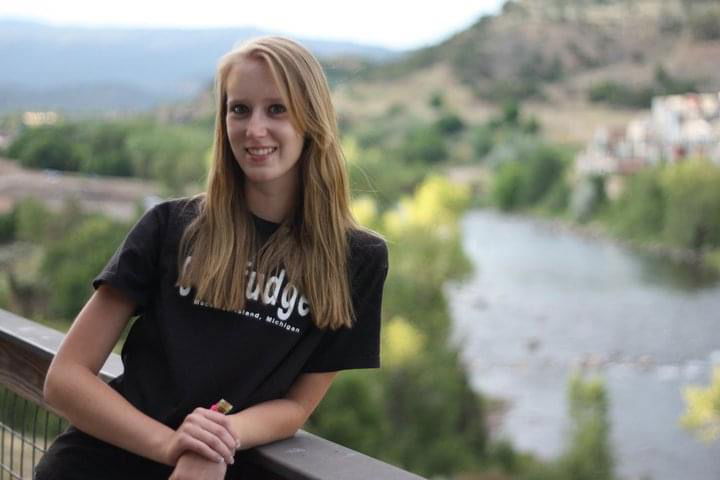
678,127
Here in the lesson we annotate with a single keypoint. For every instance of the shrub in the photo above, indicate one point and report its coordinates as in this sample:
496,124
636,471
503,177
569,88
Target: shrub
483,140
450,123
7,226
670,24
705,25
424,145
437,100
527,176
620,95
507,185
639,212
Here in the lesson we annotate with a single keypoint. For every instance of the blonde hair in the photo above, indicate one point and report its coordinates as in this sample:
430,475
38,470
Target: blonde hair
312,242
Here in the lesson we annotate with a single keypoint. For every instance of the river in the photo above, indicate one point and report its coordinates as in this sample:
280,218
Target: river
544,301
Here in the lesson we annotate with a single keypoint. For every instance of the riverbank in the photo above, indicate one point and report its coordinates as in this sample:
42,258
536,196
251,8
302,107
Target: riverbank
708,261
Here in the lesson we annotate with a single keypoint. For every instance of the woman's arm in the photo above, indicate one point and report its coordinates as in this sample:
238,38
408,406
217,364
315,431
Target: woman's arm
73,388
278,419
263,423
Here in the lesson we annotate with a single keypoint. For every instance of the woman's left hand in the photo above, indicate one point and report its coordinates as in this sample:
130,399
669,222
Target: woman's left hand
192,466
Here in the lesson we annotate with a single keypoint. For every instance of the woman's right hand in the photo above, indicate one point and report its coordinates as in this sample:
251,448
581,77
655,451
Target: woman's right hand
206,433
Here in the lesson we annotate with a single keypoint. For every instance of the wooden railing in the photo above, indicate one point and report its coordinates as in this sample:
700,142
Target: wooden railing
26,349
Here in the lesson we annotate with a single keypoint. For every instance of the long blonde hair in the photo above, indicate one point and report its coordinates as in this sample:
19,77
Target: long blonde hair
312,242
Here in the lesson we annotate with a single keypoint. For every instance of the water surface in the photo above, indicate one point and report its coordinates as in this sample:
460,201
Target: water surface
545,301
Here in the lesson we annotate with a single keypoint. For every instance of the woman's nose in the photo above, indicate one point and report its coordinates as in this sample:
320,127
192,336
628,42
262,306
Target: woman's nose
257,125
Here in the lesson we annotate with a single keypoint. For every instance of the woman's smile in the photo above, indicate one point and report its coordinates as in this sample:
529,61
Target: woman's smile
260,151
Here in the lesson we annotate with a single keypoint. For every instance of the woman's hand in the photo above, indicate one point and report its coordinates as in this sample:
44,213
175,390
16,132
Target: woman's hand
192,466
205,433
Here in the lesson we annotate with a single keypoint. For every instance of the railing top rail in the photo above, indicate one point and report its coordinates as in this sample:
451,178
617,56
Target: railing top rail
44,341
26,349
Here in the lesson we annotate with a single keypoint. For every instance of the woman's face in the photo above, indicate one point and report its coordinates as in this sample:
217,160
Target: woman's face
262,137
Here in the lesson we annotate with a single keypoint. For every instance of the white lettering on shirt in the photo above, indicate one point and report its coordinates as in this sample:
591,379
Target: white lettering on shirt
273,290
287,302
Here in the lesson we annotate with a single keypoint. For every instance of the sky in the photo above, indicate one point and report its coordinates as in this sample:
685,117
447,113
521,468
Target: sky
397,24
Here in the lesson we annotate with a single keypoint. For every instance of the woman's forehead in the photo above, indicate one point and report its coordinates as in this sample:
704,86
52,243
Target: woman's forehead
252,78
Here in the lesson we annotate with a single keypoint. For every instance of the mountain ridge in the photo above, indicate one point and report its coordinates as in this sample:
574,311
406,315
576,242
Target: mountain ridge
41,61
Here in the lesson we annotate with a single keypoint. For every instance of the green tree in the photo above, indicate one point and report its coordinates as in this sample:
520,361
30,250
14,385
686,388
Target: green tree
364,426
450,123
692,214
32,220
422,396
510,113
621,95
589,456
7,226
507,184
108,154
50,146
705,24
528,175
668,85
702,409
640,211
173,155
71,262
374,172
483,141
424,145
437,100
544,168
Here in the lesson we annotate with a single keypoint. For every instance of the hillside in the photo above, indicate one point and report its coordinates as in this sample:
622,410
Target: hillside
553,54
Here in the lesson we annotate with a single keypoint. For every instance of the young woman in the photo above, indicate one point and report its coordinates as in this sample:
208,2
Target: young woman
257,291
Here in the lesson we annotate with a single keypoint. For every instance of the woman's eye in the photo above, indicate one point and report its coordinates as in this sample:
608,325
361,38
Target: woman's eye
277,109
239,109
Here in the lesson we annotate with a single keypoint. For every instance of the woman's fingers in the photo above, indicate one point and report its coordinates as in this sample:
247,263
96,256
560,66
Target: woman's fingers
189,443
220,426
206,433
211,439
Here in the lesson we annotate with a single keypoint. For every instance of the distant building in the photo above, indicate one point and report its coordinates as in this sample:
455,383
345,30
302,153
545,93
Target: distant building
678,127
688,125
35,119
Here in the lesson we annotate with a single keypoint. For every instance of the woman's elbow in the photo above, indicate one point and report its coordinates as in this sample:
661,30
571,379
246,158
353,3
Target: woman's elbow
301,416
50,387
55,385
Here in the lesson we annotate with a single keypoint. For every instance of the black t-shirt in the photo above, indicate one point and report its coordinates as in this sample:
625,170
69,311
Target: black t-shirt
181,353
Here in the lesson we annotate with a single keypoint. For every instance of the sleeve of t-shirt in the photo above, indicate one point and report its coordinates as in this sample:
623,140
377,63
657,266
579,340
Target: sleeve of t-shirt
133,269
357,346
